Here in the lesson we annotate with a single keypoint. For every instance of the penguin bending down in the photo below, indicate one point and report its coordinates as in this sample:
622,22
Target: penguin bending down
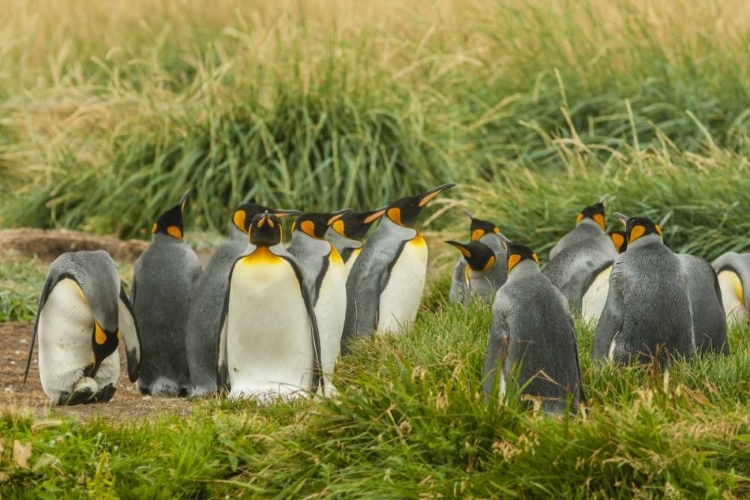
484,273
709,320
347,233
163,280
733,271
269,344
385,286
532,336
325,278
589,226
648,311
202,335
83,314
487,233
597,287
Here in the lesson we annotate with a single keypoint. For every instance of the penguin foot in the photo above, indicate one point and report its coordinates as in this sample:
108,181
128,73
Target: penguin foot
105,395
83,393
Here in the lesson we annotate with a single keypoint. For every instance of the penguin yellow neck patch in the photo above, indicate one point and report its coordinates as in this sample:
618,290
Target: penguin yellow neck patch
335,256
239,220
513,261
338,226
99,336
174,232
418,240
476,234
261,256
395,215
636,233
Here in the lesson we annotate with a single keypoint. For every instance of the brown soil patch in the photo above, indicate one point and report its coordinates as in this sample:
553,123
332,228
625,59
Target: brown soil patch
48,245
126,403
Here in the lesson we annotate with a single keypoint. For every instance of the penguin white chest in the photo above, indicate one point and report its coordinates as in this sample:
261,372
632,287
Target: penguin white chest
400,300
269,333
732,296
595,297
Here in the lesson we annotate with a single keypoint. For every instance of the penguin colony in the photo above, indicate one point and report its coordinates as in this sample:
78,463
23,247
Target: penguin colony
265,320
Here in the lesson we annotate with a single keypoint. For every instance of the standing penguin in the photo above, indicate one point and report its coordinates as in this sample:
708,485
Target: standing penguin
325,277
347,233
487,233
648,311
83,314
589,226
484,273
709,320
733,271
385,286
597,286
269,343
205,310
163,280
532,336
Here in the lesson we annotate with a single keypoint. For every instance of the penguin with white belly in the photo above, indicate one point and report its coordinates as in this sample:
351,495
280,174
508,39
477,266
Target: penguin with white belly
733,272
347,233
597,286
269,345
325,276
385,286
82,316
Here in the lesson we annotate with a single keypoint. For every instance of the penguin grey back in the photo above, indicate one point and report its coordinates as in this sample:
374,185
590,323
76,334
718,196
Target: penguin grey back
573,269
589,225
709,320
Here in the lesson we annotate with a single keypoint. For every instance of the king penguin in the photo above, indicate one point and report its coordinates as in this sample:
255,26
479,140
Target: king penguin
597,286
733,271
589,226
709,320
648,312
347,233
205,310
325,277
484,273
532,340
385,286
82,316
163,280
269,345
487,233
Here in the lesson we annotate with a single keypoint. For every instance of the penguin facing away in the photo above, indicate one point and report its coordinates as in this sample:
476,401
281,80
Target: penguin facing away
163,280
589,226
205,310
487,233
733,271
648,312
709,320
347,233
269,344
532,337
597,287
325,277
82,316
484,273
385,286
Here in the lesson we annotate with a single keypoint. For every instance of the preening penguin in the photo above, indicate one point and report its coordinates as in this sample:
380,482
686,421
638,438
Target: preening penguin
532,336
485,232
269,344
163,280
83,314
597,287
484,274
325,276
648,309
386,283
205,310
347,233
733,271
589,226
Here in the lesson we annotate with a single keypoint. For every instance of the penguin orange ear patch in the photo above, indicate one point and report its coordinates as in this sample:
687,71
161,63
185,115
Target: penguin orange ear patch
307,227
618,240
476,234
239,220
395,215
636,233
599,219
513,261
489,264
174,232
338,226
99,336
579,218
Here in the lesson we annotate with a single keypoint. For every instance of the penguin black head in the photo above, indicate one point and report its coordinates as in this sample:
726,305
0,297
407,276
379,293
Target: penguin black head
619,239
517,253
480,227
170,222
265,230
315,225
244,214
594,212
405,211
354,225
477,255
638,227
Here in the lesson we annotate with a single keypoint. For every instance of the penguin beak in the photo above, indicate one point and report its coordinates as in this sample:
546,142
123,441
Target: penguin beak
425,198
286,213
265,220
334,216
375,215
461,248
603,199
505,241
621,217
183,200
468,214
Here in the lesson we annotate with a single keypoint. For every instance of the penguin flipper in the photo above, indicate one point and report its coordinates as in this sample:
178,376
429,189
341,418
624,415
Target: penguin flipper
49,284
222,370
610,322
130,334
